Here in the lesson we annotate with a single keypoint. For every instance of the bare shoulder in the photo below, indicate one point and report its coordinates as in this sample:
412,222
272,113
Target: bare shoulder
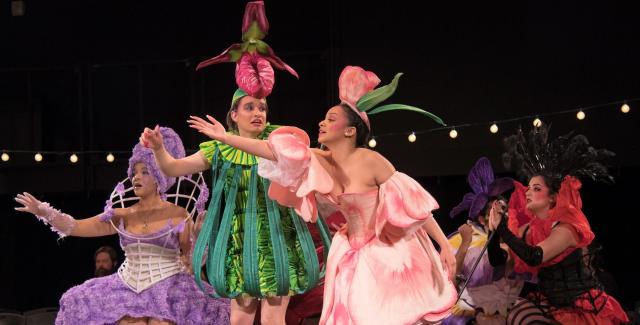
121,212
174,211
380,167
320,153
373,158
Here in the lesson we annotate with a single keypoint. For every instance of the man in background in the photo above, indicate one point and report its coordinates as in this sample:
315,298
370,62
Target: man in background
106,260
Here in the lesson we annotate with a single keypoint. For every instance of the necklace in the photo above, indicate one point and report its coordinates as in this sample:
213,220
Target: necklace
145,220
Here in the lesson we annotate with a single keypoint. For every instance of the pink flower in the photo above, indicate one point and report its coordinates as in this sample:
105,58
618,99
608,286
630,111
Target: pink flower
255,75
354,83
254,11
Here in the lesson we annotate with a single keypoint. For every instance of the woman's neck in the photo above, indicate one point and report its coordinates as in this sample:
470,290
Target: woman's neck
541,214
341,152
150,201
247,134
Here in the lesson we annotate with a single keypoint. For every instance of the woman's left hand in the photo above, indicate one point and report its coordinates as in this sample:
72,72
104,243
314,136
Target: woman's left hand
448,261
498,209
211,128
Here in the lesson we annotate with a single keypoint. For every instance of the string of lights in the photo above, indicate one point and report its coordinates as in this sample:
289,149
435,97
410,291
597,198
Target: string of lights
537,120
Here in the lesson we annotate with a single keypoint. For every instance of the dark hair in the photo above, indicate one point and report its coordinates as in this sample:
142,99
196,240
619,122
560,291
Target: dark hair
231,125
487,206
109,250
551,180
362,131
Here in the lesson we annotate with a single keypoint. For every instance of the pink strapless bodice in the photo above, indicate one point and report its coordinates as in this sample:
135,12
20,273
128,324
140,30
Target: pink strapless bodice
359,211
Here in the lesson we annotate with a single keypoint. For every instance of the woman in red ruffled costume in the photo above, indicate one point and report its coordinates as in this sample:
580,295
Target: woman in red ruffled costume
548,234
382,266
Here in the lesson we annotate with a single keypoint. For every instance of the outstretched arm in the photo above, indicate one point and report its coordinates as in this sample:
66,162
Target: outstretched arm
192,164
62,223
214,130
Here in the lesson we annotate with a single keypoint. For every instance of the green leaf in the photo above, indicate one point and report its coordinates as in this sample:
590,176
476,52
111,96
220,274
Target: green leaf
234,55
254,32
401,107
377,96
263,48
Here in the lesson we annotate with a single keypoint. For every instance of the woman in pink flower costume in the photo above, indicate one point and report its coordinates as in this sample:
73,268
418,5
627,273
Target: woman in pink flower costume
382,266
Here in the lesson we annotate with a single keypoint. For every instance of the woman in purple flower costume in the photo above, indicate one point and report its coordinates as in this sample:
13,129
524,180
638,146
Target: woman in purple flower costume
487,289
153,285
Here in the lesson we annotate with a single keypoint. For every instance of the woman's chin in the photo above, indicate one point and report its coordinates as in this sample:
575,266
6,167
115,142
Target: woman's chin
140,192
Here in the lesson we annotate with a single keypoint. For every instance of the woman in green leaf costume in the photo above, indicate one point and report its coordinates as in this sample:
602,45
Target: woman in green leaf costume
256,248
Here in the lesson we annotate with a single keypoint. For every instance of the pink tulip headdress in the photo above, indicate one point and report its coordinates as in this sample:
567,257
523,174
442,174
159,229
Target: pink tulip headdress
254,58
356,87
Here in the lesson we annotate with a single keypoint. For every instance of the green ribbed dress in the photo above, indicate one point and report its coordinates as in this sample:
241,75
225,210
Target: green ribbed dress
255,246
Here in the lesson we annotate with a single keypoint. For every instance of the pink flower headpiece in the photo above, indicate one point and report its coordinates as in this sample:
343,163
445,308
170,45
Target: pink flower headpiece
358,91
254,58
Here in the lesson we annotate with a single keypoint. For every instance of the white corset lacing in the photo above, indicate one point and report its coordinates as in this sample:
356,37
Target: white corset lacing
147,264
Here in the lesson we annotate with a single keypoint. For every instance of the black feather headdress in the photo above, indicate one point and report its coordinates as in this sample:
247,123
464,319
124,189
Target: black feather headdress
534,154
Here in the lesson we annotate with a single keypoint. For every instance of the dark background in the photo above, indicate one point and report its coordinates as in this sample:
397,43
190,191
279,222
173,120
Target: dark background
89,75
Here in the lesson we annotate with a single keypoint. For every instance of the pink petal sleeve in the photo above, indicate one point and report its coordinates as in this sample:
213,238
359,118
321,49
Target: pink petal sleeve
404,205
296,174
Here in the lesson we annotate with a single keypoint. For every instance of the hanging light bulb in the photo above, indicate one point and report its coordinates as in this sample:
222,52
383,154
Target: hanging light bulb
493,128
625,108
110,157
412,137
73,158
580,115
537,122
5,156
453,134
372,143
37,157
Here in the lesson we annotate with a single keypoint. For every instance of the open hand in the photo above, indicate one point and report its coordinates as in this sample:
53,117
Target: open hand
210,127
498,210
29,203
152,139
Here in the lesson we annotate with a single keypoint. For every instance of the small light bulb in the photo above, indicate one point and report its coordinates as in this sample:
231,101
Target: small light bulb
37,157
493,128
453,134
537,122
73,158
581,115
372,143
412,137
5,156
625,108
110,157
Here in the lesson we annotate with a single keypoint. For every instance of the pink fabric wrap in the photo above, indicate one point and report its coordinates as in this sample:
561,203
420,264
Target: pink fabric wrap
61,223
296,174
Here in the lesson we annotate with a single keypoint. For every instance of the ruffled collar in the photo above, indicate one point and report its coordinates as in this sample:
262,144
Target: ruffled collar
240,157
